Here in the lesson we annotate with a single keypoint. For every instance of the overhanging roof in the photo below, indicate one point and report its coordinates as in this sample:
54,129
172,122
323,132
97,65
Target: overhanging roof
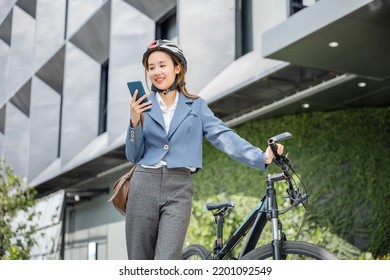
330,78
82,179
361,28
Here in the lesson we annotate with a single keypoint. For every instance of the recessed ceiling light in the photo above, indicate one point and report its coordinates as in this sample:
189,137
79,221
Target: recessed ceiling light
333,44
305,105
362,84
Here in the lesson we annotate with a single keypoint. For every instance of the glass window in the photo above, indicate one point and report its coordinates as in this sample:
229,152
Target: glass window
49,223
297,5
2,119
103,98
244,30
166,27
66,19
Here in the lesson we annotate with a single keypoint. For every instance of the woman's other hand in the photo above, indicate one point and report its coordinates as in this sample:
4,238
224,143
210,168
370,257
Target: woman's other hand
269,155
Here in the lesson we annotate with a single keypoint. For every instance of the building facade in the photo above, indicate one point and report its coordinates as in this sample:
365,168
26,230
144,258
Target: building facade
64,104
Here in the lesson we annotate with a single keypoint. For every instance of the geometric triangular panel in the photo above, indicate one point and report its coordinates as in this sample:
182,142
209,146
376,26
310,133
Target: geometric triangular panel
21,99
52,73
153,9
5,29
93,37
29,6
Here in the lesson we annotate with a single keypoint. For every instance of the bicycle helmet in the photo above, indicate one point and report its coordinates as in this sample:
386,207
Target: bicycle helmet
166,46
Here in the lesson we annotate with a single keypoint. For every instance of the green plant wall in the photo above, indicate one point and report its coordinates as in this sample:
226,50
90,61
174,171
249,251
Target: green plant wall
343,157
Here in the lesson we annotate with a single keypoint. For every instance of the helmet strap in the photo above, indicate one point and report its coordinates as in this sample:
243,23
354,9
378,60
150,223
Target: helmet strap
174,86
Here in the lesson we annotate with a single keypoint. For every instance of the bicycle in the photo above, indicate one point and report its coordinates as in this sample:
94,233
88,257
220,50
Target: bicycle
266,211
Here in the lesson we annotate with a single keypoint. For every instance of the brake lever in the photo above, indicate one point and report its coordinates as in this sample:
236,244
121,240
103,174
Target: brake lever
284,163
300,200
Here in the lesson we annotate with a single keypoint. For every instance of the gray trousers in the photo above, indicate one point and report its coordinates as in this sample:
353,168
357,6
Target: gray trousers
158,213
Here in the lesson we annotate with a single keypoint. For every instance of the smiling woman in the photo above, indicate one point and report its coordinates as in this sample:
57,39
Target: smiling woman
175,54
162,72
165,144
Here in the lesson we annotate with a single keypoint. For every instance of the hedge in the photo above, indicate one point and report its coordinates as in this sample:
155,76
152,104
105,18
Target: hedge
343,157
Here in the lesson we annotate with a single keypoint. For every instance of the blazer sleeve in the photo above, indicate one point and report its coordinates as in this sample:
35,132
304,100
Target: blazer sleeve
135,144
228,141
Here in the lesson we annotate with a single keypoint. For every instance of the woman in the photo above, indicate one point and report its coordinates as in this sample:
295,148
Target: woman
166,145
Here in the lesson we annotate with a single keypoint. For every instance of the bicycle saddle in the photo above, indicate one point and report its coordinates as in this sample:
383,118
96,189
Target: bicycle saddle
213,206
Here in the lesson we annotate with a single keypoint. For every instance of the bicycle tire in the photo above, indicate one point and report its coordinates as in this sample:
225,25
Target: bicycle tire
292,250
195,252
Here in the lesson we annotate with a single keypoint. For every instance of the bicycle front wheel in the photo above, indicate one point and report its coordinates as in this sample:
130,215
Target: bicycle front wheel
292,250
195,252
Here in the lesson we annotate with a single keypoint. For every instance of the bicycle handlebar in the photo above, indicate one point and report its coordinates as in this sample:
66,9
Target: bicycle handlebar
280,160
272,143
283,162
279,137
285,165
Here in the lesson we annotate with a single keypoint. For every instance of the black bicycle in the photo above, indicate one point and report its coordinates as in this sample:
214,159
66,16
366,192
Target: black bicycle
266,211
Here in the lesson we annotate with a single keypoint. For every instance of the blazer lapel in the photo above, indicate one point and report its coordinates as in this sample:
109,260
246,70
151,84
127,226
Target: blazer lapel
156,113
182,110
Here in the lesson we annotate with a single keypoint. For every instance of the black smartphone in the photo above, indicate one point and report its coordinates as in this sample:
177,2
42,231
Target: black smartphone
141,91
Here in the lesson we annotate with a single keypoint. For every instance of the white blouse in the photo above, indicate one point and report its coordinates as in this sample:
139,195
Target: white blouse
167,115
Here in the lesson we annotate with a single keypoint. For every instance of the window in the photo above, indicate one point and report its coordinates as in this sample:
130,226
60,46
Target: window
50,226
2,119
297,5
103,98
244,30
66,18
166,27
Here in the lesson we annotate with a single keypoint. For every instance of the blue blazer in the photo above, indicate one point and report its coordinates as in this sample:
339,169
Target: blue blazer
182,147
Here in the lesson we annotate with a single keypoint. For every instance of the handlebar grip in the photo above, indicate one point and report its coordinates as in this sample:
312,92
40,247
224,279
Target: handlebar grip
279,137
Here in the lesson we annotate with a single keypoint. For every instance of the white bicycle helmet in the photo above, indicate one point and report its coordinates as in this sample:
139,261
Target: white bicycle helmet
167,46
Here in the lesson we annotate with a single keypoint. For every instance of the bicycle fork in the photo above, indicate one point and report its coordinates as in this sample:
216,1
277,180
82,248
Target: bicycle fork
273,215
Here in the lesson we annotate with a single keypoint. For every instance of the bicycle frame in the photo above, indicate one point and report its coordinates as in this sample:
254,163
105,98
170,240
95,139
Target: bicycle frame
266,209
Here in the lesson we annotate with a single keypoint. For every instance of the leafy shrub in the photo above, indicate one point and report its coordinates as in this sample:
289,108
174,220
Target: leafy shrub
342,157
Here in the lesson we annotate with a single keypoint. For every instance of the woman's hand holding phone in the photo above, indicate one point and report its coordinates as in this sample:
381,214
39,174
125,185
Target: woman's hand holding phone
139,102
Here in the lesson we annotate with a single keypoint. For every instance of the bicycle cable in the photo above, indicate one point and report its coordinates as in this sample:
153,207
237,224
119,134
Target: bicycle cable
304,202
295,192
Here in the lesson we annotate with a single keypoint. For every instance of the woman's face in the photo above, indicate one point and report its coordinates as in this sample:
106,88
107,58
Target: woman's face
161,70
